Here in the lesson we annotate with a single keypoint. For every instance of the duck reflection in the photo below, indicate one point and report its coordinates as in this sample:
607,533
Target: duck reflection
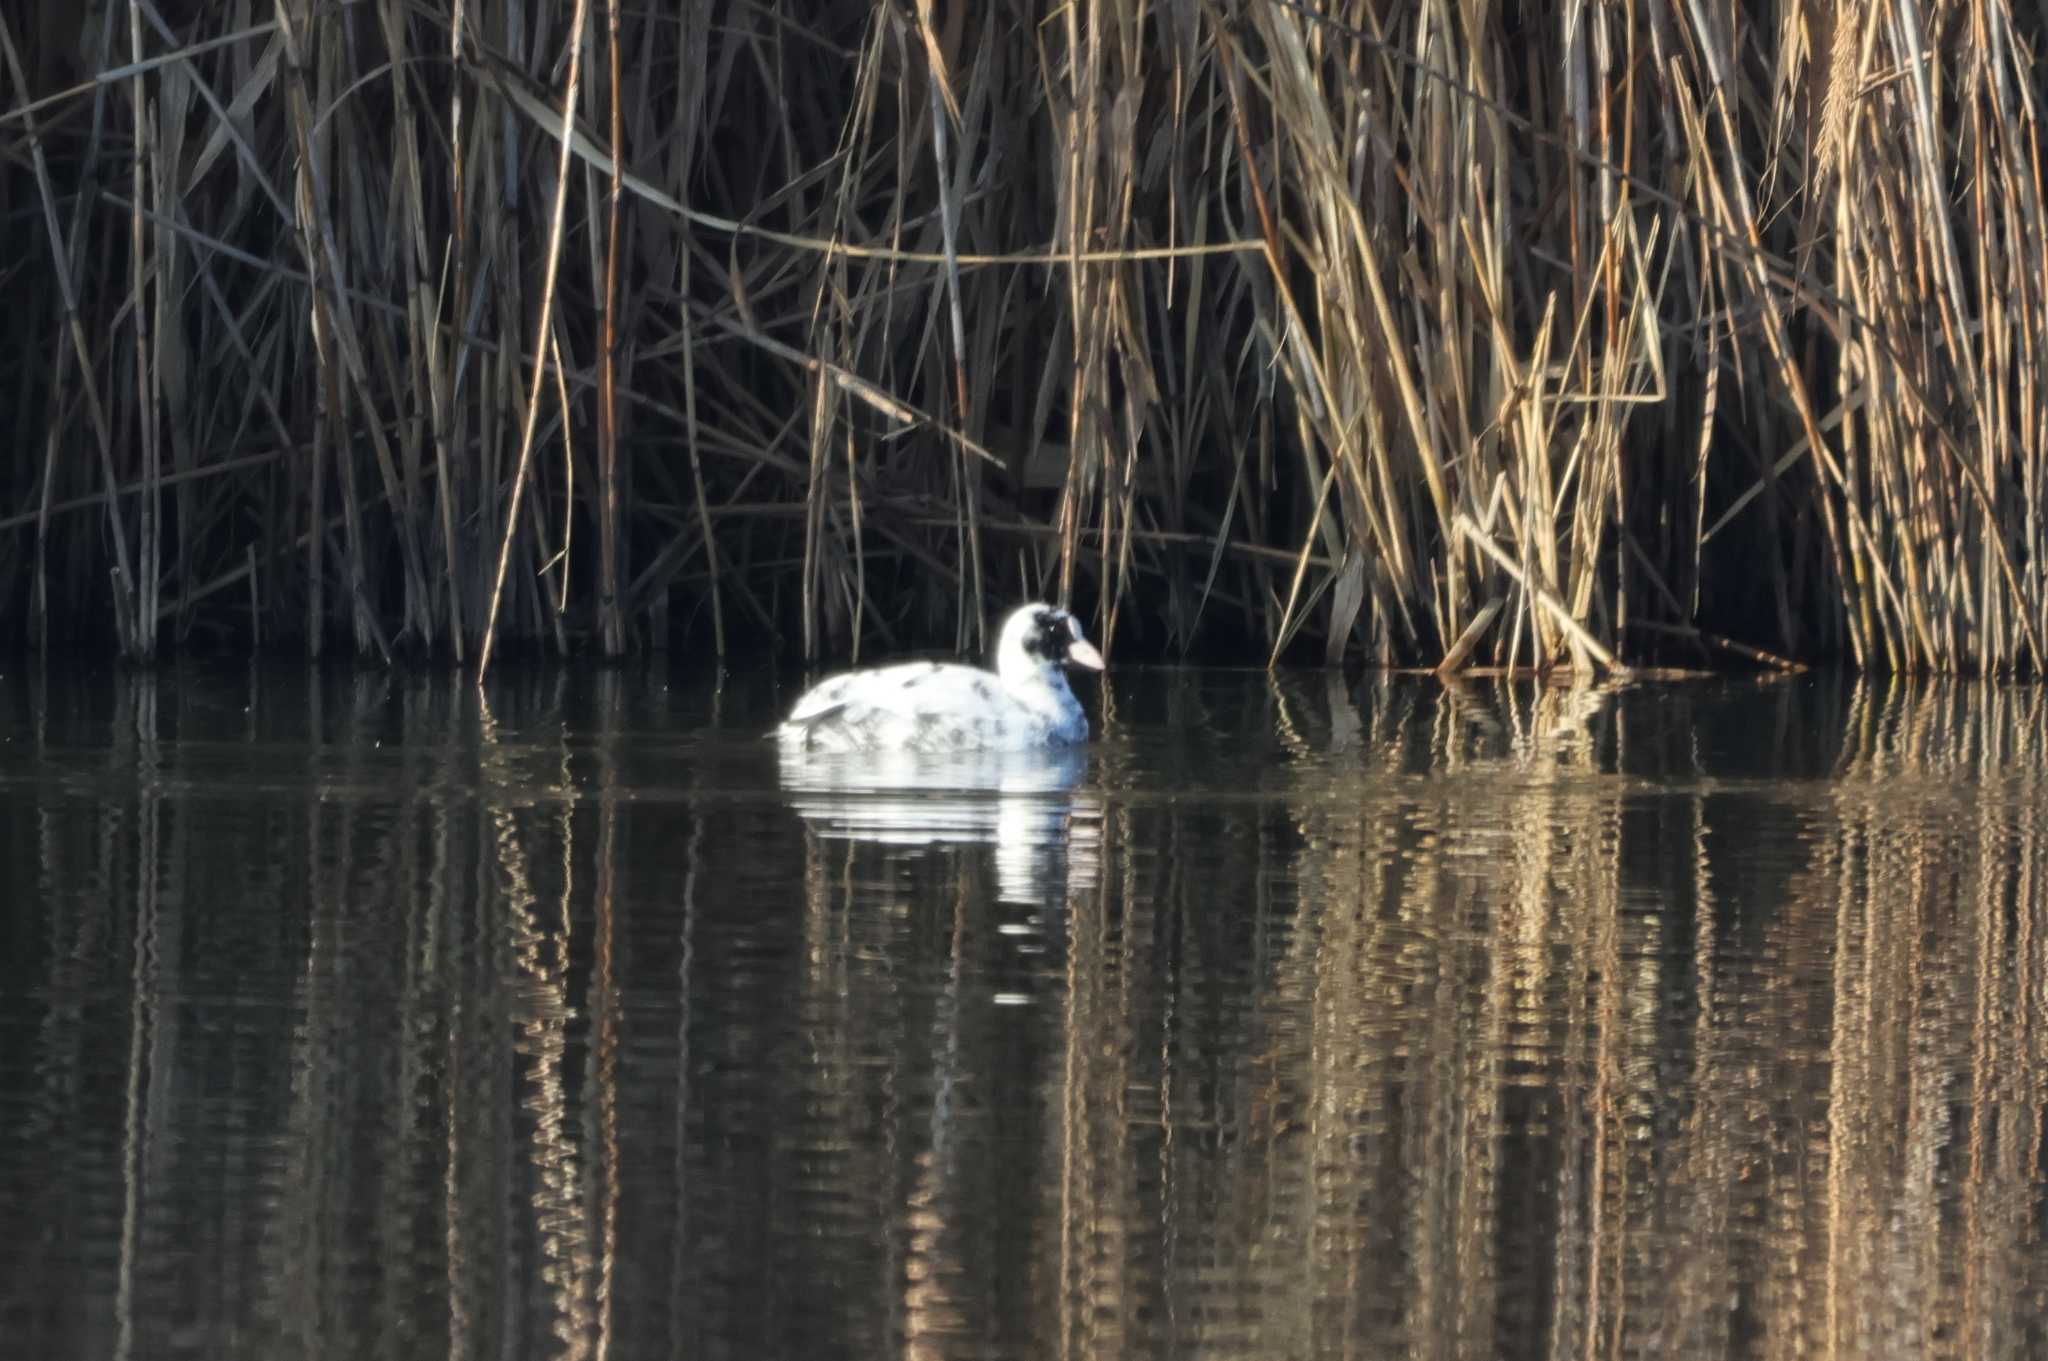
1024,803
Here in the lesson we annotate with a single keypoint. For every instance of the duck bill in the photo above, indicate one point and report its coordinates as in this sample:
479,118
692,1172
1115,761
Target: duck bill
1084,654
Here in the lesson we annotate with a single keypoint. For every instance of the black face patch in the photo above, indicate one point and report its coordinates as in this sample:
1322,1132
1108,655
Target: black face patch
1051,634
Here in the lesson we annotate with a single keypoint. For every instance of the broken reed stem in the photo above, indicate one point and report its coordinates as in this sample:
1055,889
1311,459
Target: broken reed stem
1743,650
1541,594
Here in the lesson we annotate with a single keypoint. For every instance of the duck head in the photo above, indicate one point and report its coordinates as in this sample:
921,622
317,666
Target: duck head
1042,637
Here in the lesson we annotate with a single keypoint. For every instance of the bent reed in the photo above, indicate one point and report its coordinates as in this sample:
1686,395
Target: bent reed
1501,336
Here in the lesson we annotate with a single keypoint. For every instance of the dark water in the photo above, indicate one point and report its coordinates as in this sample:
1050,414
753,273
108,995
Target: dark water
353,1018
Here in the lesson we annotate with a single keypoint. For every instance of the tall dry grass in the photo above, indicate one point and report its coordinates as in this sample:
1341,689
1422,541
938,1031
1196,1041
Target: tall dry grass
1453,335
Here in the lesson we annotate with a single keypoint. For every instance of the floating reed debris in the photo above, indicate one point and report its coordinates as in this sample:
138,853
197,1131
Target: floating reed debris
1480,337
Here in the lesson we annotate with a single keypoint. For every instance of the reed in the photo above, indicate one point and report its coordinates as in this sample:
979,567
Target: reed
1449,336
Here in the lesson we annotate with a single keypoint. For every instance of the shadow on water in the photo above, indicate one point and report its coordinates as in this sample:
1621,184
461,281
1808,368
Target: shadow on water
351,1016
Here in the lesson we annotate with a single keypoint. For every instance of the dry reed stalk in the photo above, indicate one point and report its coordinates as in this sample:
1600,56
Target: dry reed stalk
611,609
563,179
141,642
1255,302
72,325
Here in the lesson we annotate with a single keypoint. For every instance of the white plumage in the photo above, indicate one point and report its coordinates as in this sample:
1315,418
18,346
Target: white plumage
944,707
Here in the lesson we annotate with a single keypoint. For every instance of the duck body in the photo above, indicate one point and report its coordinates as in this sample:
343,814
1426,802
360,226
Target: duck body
937,707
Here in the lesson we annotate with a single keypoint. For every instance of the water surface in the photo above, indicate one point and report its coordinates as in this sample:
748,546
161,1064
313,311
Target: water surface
351,1016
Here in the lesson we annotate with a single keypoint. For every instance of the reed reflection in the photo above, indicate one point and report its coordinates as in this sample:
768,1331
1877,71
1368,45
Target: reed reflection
351,1018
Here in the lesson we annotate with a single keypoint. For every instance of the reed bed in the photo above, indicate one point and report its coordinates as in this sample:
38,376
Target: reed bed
1449,336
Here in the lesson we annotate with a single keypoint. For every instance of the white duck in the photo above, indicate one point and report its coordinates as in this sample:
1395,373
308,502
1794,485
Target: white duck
945,707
